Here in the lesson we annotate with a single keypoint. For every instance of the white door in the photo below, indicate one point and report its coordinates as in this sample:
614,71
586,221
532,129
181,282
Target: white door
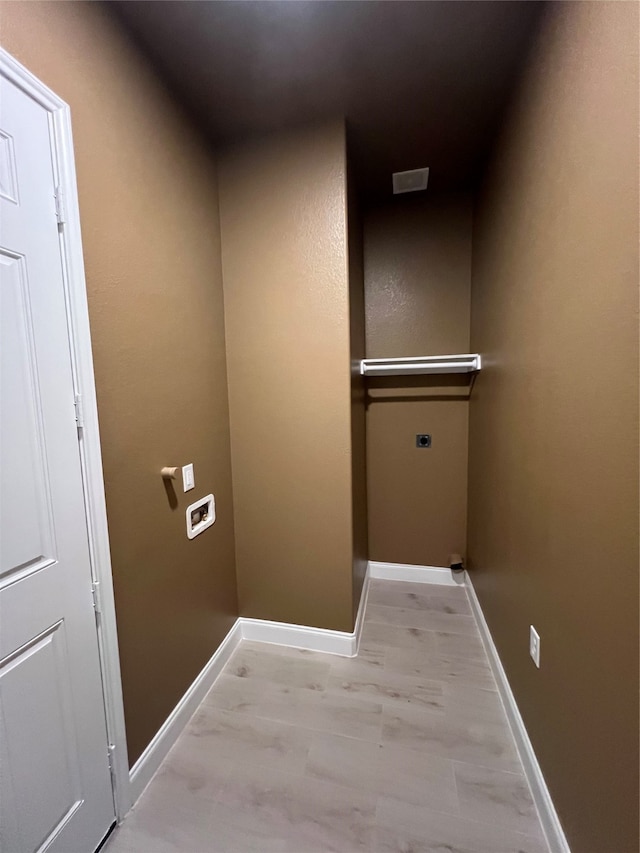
55,784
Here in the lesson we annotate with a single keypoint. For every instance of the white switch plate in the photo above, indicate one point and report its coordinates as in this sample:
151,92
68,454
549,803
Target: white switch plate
534,645
188,477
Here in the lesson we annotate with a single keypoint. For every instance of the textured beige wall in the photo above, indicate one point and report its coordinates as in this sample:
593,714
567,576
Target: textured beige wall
417,280
553,527
284,233
148,203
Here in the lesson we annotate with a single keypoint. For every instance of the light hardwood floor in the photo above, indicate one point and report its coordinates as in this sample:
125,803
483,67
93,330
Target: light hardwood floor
404,748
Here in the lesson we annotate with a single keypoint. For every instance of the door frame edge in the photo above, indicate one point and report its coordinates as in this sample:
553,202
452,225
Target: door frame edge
79,332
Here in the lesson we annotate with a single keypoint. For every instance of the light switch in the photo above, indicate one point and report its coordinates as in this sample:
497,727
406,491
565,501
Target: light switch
188,478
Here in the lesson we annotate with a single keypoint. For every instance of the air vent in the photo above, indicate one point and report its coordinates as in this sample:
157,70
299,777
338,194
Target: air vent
411,181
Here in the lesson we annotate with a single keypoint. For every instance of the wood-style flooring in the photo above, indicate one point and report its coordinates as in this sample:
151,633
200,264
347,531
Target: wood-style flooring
404,748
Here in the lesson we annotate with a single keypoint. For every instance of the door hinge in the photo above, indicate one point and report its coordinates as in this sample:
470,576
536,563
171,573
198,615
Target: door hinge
97,600
112,764
77,404
61,210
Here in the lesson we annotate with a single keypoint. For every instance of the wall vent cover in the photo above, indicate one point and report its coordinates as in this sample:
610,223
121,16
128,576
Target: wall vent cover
410,182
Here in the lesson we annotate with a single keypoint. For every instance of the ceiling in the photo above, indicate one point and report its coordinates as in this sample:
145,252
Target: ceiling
420,83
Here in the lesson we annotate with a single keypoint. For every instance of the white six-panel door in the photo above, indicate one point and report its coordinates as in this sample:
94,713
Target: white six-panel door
55,784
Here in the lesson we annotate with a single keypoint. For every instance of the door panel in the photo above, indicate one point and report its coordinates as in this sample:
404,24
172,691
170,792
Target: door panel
42,665
55,784
25,495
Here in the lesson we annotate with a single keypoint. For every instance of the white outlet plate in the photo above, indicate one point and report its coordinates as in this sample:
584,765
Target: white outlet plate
188,477
534,645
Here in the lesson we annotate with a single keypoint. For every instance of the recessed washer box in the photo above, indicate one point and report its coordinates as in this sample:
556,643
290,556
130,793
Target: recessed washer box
200,515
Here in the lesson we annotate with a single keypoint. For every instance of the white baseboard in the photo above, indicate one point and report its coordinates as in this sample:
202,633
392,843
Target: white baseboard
299,636
362,608
415,574
303,637
261,630
143,770
548,816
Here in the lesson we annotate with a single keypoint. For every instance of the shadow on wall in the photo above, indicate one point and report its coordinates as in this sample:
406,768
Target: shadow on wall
435,387
172,497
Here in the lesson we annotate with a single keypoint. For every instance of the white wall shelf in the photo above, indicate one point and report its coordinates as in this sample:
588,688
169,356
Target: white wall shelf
469,363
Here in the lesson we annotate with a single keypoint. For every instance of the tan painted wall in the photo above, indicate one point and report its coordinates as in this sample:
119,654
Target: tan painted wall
553,527
148,202
417,280
284,231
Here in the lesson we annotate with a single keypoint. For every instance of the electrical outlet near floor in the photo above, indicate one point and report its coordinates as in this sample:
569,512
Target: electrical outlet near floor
534,645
